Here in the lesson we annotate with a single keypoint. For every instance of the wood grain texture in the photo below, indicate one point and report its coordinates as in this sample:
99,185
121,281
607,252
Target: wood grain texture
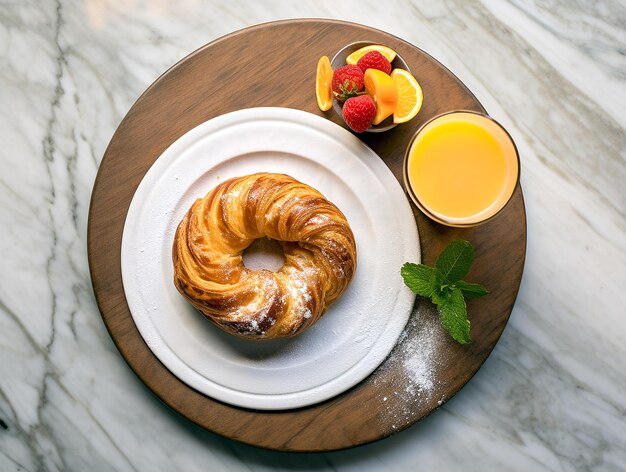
273,65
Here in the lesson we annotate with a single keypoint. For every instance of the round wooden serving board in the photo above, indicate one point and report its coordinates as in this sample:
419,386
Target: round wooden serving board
274,65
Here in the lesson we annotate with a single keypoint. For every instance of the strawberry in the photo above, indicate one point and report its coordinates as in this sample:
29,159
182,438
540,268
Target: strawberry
347,82
358,112
374,60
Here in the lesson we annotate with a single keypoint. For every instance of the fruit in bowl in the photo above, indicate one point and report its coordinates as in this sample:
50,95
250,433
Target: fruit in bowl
323,79
381,88
359,112
368,70
374,60
358,52
347,82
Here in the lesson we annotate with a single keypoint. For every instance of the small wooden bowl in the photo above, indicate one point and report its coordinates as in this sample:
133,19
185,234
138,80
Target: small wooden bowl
339,59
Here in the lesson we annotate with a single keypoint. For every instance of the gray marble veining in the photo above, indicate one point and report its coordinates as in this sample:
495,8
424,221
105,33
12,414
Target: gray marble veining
552,396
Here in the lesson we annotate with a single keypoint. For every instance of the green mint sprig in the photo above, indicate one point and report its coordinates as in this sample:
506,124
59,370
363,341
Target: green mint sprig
443,285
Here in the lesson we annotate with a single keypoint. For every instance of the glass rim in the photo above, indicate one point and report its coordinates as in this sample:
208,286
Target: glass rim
457,222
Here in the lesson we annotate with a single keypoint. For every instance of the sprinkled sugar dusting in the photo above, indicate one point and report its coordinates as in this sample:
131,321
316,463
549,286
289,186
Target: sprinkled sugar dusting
319,219
417,365
299,293
418,353
299,290
255,313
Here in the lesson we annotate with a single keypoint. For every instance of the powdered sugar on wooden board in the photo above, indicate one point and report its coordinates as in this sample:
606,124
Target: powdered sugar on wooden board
419,353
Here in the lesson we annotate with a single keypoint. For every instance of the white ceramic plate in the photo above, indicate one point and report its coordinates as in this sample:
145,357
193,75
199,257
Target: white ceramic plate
357,332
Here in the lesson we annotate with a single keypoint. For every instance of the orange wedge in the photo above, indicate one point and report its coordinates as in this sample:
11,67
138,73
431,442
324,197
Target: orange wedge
410,96
381,88
323,81
389,53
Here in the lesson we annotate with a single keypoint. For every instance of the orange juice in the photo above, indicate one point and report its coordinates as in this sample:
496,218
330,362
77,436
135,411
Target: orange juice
461,168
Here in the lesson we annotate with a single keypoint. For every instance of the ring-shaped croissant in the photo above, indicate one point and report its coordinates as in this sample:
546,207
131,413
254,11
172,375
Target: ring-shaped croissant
318,244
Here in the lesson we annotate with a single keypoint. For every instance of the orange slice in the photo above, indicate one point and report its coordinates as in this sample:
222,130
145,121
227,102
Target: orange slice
381,88
410,96
389,53
323,81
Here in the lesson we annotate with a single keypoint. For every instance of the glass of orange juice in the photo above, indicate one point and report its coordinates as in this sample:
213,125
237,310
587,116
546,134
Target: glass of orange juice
461,168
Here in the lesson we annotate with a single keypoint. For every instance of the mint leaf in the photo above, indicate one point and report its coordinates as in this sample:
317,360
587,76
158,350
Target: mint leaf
471,290
440,294
420,278
443,285
455,261
453,312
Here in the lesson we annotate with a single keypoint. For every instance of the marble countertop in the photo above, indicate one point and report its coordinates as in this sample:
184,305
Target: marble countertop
552,396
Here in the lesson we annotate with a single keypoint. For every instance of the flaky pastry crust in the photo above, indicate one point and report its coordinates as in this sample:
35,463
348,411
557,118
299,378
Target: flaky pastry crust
319,248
